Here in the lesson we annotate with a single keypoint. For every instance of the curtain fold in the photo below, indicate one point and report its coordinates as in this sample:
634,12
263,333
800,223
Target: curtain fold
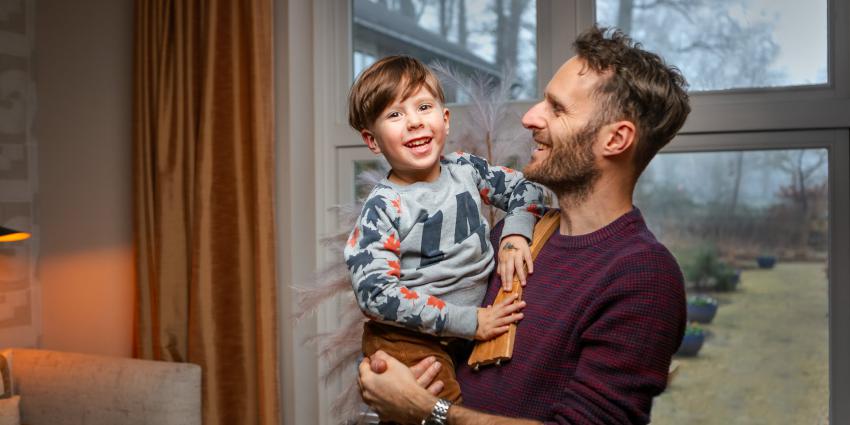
203,183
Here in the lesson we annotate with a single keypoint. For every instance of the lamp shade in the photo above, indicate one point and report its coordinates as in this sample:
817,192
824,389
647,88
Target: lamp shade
12,235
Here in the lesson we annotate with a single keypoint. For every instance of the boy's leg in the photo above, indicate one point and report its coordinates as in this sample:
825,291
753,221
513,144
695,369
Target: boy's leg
410,348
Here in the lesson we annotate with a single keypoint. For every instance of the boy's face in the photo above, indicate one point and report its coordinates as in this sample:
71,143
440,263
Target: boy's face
411,133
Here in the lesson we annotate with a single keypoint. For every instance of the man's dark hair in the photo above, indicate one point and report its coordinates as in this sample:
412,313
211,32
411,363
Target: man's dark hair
640,88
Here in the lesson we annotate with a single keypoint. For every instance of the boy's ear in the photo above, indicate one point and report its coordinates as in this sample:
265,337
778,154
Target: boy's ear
446,115
619,138
369,140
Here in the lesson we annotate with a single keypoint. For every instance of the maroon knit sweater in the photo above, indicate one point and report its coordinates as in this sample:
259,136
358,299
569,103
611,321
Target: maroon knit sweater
606,311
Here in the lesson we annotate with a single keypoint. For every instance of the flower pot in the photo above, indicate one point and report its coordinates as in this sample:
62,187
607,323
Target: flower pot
691,344
701,313
766,261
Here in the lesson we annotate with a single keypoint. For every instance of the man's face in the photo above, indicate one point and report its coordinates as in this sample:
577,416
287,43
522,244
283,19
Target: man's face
411,133
565,128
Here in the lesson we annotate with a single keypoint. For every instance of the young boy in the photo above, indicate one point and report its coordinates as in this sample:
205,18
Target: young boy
420,254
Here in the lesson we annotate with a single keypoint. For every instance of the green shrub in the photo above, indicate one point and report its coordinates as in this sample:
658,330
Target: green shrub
704,269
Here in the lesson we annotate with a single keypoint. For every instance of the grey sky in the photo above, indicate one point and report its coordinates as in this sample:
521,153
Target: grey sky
801,31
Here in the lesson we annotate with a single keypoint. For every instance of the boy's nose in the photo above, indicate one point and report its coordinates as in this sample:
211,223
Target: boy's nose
413,121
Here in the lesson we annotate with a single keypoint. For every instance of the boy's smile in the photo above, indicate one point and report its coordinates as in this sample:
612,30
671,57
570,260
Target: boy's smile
411,134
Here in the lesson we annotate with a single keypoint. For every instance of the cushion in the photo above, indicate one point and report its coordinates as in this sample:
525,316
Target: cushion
9,411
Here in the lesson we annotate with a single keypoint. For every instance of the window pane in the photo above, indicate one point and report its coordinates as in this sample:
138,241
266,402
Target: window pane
494,38
749,230
726,44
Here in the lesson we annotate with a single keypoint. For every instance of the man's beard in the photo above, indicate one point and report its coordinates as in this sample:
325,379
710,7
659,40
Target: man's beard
570,169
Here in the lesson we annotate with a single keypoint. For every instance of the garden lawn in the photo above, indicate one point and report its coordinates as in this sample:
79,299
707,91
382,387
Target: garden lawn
765,359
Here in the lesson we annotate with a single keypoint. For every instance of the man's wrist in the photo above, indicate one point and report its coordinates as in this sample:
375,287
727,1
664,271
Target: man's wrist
439,414
423,405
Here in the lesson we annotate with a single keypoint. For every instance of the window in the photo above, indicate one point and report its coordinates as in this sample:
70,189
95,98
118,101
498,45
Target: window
730,44
750,231
489,38
806,112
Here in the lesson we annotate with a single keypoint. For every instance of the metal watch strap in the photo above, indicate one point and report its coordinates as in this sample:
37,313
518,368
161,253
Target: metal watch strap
439,414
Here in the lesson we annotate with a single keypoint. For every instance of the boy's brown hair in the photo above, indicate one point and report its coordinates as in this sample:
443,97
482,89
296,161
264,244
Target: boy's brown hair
382,82
641,88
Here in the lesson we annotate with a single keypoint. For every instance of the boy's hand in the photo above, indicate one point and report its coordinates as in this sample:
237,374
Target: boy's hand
513,252
495,320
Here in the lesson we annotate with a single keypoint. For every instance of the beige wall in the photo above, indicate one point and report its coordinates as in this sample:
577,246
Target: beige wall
83,75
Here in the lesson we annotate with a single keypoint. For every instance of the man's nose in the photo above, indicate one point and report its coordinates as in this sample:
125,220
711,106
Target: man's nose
533,118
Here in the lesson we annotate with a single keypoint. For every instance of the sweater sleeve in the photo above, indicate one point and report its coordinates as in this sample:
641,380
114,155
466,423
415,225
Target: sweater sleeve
635,327
372,255
507,190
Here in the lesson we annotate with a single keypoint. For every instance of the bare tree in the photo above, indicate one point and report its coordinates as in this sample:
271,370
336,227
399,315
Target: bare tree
713,48
624,15
737,174
804,185
446,16
508,25
462,31
408,8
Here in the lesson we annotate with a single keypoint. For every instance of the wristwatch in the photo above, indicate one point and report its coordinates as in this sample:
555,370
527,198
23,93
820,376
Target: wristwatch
439,414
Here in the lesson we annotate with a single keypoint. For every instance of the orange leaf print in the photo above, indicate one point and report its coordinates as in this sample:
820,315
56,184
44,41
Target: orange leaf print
393,244
459,152
509,170
408,294
534,209
353,239
397,204
485,195
395,269
436,302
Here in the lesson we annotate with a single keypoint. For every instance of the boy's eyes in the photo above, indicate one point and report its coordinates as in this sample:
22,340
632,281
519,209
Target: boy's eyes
422,107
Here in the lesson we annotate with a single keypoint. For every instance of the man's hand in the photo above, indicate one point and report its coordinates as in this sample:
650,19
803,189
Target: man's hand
424,371
513,253
395,394
400,397
495,320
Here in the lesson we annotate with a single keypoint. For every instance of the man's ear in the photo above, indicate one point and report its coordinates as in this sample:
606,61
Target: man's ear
619,138
369,140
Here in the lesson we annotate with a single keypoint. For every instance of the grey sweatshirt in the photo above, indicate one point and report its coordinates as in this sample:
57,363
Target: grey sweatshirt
420,254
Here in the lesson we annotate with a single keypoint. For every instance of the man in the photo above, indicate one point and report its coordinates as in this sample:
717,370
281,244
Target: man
606,306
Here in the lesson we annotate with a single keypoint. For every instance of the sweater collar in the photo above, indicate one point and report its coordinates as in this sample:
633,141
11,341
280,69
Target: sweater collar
614,228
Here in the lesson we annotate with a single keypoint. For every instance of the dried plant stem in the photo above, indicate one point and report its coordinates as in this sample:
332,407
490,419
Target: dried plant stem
489,144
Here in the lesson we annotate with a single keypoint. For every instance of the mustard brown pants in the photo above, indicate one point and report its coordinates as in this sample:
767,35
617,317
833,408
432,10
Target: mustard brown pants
411,347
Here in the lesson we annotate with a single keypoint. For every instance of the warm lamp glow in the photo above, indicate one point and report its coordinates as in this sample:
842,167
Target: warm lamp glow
11,235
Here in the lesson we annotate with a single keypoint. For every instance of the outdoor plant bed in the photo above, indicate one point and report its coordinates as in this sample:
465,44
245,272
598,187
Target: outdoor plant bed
728,280
701,308
692,341
766,261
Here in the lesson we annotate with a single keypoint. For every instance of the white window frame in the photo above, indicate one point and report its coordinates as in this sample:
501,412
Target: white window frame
313,60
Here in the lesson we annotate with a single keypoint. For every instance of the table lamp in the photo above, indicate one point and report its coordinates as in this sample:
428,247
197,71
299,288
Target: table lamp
12,235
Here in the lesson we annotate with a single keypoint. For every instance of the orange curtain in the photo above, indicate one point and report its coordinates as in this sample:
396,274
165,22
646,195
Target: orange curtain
203,182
